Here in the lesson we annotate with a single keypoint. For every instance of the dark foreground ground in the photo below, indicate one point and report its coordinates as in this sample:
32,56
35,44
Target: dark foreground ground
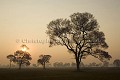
60,74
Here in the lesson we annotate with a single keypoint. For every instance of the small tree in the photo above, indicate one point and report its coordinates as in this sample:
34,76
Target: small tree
11,59
116,62
80,35
43,59
105,64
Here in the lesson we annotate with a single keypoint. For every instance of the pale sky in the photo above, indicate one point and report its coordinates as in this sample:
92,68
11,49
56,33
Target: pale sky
28,19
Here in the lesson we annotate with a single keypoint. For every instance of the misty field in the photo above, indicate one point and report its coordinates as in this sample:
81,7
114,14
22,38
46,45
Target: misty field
60,74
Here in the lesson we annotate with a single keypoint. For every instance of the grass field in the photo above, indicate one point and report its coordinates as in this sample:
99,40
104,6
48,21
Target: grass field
60,74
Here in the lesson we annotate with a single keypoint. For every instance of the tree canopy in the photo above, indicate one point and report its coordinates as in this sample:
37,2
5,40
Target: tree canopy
20,57
44,59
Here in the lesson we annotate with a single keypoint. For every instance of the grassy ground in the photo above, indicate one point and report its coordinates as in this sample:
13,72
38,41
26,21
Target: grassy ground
60,74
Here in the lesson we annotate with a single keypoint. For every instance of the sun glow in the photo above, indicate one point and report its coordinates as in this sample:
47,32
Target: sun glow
24,49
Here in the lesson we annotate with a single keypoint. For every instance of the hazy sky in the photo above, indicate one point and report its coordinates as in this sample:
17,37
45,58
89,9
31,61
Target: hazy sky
28,19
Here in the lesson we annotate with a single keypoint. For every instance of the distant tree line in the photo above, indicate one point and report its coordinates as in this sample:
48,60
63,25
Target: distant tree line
44,61
22,58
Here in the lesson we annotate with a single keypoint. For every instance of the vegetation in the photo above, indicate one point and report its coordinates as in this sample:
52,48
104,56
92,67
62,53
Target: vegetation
80,35
20,57
11,58
116,62
43,59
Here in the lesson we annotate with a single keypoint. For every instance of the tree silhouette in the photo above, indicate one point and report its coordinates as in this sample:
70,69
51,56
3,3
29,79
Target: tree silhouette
22,57
116,62
43,59
80,35
105,64
11,58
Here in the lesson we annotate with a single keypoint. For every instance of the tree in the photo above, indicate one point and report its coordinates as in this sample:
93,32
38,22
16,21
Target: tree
22,57
105,64
116,62
80,35
43,59
11,59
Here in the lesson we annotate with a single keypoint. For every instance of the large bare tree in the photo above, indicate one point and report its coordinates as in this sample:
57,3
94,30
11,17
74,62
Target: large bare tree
80,35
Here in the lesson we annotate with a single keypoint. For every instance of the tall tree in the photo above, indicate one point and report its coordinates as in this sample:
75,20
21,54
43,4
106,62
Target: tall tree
80,35
43,59
11,58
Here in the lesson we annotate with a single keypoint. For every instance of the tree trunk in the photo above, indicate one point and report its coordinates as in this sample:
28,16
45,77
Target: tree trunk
10,64
77,64
44,65
20,65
